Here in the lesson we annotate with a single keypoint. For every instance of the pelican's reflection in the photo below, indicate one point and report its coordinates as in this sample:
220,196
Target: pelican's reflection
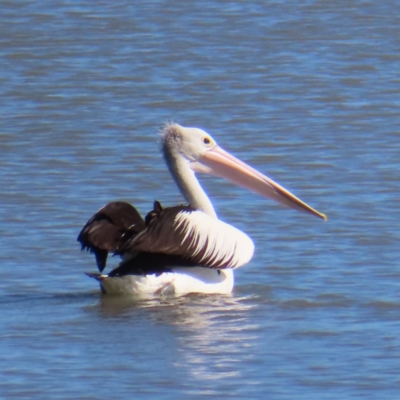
213,334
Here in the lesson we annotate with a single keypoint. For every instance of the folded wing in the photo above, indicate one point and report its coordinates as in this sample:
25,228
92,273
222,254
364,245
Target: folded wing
184,236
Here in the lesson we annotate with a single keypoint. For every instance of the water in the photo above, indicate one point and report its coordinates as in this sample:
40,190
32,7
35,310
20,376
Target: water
308,93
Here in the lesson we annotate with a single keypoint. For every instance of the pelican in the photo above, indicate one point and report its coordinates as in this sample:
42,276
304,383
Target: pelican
185,248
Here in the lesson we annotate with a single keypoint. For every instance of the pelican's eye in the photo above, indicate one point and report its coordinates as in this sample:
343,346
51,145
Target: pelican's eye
207,141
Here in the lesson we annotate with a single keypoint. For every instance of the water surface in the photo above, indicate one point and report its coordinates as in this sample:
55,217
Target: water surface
308,93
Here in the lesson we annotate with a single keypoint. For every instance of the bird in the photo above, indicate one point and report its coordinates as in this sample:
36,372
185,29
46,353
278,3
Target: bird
184,248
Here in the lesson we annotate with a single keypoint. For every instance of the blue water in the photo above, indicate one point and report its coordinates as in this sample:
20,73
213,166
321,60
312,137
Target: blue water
307,93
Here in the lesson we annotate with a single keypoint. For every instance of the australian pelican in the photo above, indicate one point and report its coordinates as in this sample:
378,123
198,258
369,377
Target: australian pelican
185,248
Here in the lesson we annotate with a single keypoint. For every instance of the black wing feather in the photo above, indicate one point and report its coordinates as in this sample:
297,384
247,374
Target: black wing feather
150,263
154,239
103,231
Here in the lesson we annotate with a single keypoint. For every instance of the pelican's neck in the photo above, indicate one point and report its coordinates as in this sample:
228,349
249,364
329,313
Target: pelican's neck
188,184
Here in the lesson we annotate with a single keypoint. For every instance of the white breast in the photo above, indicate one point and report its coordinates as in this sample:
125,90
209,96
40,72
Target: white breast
178,282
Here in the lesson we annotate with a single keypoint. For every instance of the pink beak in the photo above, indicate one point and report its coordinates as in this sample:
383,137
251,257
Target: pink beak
219,162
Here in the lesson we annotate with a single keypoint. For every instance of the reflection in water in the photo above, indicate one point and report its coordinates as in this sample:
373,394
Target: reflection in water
213,332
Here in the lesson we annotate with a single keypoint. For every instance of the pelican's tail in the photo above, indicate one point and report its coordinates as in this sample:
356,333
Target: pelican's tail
95,275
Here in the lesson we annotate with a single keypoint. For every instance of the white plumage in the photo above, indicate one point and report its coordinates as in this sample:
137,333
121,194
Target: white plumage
179,282
215,239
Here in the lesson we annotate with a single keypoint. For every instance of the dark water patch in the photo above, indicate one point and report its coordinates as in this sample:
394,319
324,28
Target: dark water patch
33,298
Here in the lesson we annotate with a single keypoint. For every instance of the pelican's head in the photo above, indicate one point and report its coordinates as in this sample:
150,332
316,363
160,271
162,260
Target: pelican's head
203,154
190,143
